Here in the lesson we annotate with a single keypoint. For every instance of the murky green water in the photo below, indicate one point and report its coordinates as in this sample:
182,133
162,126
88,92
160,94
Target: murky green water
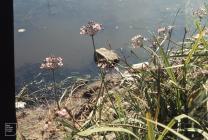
52,26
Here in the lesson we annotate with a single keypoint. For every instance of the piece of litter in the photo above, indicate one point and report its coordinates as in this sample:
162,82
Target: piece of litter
20,104
21,30
140,66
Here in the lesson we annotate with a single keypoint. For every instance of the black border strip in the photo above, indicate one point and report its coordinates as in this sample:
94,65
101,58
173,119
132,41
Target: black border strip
7,91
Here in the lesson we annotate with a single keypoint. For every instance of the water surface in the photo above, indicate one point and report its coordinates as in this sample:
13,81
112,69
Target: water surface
52,26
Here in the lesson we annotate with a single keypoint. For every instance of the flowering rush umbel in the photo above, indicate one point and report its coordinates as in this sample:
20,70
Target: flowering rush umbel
137,41
52,63
91,28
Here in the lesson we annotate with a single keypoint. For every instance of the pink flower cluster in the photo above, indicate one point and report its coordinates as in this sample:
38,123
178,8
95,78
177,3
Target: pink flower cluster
51,63
201,12
63,113
137,41
91,28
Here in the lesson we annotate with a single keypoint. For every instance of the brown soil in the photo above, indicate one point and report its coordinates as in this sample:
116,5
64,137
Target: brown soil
38,123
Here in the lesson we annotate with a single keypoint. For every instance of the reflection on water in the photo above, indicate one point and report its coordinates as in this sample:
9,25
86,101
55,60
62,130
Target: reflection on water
52,26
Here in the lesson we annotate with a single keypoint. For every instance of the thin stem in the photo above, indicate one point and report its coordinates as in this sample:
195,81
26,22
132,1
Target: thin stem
54,87
150,51
102,93
105,86
195,55
94,49
170,33
93,42
184,36
158,82
99,94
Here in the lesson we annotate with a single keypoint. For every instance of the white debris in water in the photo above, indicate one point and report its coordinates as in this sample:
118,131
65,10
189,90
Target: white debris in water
167,8
130,26
21,30
20,104
44,27
116,27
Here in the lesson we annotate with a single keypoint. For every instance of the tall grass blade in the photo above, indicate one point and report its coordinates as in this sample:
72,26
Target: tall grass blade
172,123
150,128
202,132
195,45
169,129
167,64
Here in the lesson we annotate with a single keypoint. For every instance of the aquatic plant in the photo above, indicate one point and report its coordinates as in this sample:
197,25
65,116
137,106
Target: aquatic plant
52,63
91,29
200,12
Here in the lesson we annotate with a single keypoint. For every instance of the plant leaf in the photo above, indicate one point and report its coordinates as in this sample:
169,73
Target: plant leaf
150,127
168,128
195,45
173,121
89,132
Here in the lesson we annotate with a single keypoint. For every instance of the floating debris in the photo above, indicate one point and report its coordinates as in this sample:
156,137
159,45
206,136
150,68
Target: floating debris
116,27
21,30
130,27
167,8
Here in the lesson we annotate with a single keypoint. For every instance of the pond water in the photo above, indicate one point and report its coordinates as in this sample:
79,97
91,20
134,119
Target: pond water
44,27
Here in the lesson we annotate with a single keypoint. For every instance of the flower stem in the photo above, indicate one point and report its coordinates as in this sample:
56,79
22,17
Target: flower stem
54,87
93,42
95,54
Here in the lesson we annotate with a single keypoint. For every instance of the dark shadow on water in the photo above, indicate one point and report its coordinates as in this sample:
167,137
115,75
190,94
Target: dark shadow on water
30,73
